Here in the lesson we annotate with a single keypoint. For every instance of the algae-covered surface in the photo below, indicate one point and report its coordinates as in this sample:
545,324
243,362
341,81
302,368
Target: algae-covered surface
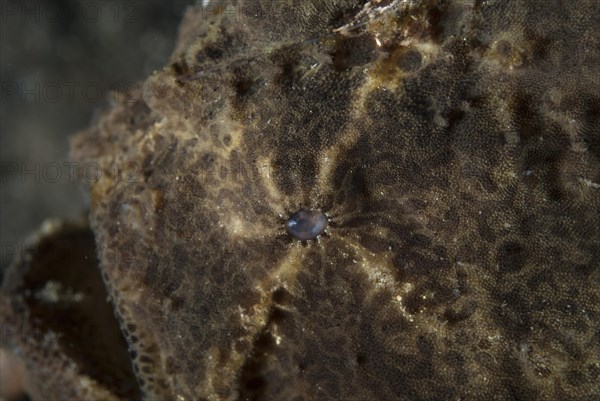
454,147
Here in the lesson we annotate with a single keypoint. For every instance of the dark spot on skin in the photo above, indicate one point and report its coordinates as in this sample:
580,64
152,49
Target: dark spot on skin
352,52
307,224
243,86
454,315
213,52
511,257
504,48
208,161
281,296
178,68
278,315
410,60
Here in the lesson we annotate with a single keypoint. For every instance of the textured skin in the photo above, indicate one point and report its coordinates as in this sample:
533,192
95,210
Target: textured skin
455,147
56,318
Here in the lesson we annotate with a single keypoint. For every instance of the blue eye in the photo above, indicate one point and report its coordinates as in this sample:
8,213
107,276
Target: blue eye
307,224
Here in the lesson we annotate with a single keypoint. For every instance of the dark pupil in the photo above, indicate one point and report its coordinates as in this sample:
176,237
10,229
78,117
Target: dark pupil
307,224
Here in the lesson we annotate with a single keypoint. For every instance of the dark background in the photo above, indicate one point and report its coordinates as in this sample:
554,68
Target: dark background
59,61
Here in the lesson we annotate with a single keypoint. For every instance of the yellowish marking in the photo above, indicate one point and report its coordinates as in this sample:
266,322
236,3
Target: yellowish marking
237,222
378,270
212,34
383,75
208,387
235,131
429,52
265,171
238,225
331,156
285,273
226,127
590,183
253,320
402,308
508,51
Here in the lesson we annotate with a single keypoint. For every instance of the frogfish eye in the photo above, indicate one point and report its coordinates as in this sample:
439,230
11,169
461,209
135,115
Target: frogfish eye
307,224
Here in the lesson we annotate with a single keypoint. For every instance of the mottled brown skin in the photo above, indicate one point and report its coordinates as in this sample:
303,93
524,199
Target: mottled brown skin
57,320
455,147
